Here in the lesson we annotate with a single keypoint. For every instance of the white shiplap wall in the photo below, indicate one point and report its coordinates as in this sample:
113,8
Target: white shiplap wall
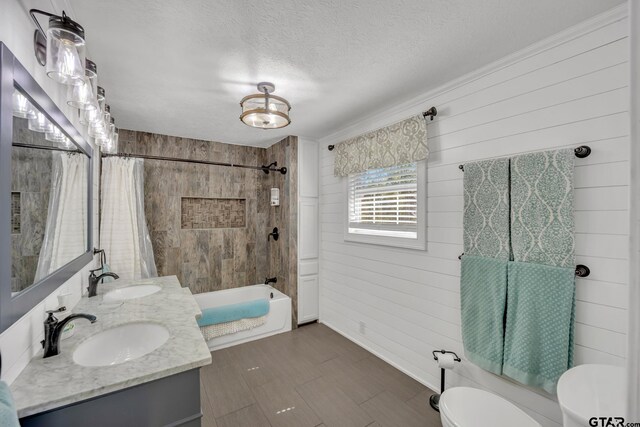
633,351
564,92
21,341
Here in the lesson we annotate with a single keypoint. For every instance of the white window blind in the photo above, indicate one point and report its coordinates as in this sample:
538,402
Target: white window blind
384,202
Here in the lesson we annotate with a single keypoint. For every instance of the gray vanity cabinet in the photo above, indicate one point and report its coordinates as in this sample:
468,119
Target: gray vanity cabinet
170,401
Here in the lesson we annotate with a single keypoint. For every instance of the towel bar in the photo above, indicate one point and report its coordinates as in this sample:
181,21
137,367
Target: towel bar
581,152
581,269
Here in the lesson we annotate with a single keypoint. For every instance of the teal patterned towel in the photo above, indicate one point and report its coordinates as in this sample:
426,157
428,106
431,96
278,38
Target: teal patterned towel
538,345
542,208
486,209
483,289
8,415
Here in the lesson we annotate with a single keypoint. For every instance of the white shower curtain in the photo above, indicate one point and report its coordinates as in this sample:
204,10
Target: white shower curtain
123,229
65,236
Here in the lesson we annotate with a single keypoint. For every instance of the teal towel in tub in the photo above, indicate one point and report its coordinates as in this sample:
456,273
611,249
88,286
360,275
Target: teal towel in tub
483,293
538,345
8,414
231,312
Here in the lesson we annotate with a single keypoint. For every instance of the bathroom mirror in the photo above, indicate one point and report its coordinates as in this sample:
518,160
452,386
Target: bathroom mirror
46,192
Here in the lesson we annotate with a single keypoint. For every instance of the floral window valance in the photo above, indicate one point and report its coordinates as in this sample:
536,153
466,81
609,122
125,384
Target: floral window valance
397,144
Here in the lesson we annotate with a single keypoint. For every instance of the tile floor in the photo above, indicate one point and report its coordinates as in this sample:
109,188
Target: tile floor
309,377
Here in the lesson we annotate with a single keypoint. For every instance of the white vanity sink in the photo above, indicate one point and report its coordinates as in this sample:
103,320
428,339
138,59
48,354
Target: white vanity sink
591,391
120,344
130,292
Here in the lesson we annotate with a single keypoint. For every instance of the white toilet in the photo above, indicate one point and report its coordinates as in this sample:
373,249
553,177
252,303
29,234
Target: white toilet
588,391
472,407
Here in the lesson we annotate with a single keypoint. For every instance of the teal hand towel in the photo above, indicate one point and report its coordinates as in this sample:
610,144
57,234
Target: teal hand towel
542,223
538,345
486,209
231,312
8,414
483,293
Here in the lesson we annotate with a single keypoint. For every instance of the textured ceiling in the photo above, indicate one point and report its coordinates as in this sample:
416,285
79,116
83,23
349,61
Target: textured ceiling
181,67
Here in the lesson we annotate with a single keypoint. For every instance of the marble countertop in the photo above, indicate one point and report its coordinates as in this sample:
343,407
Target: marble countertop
56,381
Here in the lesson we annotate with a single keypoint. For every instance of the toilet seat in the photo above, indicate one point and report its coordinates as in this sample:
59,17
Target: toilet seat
472,407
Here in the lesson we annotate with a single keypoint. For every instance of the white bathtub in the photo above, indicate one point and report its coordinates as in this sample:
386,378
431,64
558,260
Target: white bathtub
278,319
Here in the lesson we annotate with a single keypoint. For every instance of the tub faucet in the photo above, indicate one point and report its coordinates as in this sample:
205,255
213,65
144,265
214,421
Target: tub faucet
268,280
94,280
53,330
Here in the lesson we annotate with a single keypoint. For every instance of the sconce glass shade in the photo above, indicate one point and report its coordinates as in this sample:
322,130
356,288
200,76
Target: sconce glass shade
98,130
90,116
265,111
106,117
114,142
57,136
22,108
101,141
65,51
110,144
40,124
83,97
112,127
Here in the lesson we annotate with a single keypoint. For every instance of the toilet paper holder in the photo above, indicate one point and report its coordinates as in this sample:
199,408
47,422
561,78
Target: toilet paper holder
434,400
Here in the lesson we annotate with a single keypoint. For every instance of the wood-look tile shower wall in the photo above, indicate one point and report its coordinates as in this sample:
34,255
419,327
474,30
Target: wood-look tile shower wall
203,259
30,185
219,258
283,254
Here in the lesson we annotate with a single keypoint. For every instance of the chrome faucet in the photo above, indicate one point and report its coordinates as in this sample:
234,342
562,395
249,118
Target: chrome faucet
53,330
94,280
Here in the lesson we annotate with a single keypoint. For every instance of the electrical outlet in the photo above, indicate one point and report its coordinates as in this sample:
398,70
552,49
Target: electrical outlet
362,327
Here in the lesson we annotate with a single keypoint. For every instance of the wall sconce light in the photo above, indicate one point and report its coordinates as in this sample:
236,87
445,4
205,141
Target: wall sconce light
22,107
112,127
57,136
83,97
40,123
64,45
91,116
265,111
99,129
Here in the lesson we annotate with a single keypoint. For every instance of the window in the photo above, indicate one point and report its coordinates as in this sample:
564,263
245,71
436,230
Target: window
387,206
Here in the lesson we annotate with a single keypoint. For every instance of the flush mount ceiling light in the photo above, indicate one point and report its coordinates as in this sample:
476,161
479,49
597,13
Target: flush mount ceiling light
265,111
64,47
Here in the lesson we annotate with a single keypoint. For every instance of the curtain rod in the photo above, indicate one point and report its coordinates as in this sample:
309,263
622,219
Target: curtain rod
44,147
431,112
266,169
